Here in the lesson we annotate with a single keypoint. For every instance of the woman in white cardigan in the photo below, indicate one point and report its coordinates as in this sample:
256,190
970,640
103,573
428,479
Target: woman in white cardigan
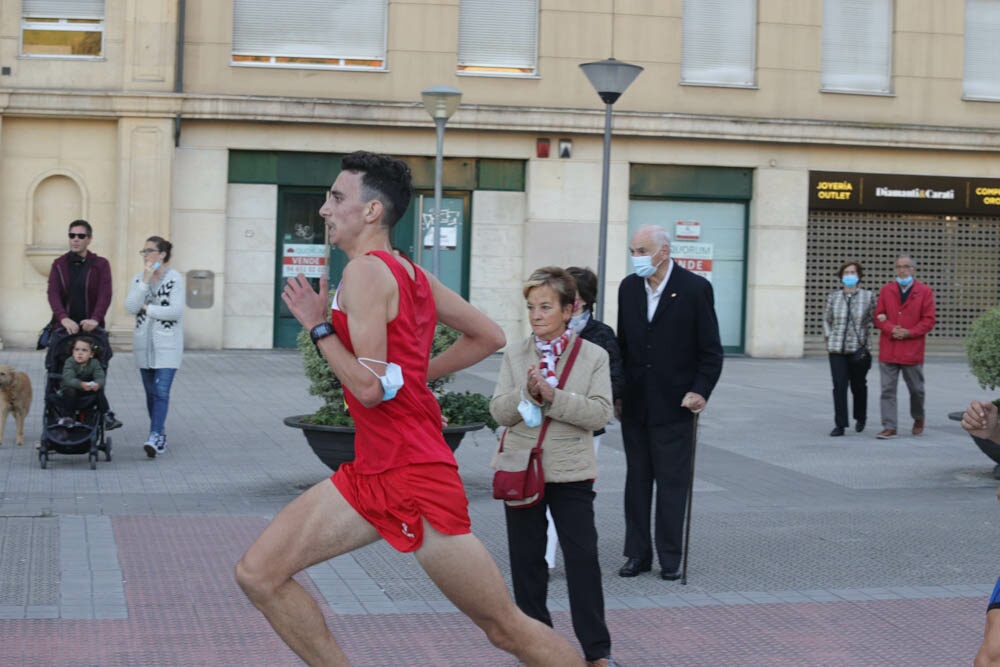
526,394
156,298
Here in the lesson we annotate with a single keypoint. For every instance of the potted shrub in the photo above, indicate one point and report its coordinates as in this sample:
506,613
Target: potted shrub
330,430
982,346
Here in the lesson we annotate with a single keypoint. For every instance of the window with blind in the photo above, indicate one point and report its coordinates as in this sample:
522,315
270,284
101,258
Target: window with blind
498,37
719,42
62,28
982,50
310,33
857,46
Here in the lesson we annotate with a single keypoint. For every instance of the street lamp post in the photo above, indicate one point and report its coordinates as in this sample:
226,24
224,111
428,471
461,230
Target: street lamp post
609,78
440,102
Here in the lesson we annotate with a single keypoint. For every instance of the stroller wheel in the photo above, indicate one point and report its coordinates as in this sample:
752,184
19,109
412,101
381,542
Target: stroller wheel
93,460
43,459
107,449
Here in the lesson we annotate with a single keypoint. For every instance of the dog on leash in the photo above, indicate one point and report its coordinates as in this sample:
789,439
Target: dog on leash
15,398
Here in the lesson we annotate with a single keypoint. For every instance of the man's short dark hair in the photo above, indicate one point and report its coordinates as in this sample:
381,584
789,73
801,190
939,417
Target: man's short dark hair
384,178
586,285
82,223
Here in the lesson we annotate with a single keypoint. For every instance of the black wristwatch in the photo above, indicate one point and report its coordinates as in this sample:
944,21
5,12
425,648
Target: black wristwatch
321,331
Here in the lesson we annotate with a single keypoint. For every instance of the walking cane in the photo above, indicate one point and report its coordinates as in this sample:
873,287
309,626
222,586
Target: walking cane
690,498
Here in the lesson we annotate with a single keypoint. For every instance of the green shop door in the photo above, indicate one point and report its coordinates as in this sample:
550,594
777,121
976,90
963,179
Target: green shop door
417,241
302,245
301,248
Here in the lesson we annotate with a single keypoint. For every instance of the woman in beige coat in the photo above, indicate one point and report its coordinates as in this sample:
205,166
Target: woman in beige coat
525,396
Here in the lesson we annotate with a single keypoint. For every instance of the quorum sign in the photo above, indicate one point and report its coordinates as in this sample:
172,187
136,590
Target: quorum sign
902,193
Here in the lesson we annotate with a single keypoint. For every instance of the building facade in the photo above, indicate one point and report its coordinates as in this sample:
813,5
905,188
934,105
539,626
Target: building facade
761,133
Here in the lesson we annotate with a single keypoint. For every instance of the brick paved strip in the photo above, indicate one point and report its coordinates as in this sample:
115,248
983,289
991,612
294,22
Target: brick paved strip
185,609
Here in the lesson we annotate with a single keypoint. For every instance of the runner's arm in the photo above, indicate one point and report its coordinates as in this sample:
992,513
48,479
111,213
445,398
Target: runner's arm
365,295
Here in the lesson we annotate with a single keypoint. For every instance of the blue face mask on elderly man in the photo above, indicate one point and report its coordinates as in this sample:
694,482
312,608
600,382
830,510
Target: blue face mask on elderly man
643,265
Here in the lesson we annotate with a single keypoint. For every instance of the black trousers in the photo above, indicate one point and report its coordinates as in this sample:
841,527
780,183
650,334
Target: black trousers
854,374
572,506
77,399
659,454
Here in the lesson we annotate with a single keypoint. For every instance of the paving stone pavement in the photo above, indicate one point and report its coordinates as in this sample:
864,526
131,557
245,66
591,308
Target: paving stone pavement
805,549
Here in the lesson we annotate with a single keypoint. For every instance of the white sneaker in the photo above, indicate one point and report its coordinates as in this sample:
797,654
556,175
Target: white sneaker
151,445
161,443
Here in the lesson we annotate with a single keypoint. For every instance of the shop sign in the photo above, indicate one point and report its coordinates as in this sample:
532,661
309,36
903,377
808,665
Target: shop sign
687,230
307,259
903,193
695,257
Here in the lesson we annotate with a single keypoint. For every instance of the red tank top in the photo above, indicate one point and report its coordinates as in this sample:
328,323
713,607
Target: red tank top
406,429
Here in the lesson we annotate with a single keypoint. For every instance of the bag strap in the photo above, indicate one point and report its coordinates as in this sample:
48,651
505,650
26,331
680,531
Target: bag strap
562,382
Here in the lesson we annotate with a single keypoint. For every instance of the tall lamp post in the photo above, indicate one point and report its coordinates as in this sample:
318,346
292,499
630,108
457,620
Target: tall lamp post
609,78
440,102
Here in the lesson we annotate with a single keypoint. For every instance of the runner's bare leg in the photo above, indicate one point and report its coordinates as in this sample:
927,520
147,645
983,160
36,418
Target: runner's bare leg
465,572
313,528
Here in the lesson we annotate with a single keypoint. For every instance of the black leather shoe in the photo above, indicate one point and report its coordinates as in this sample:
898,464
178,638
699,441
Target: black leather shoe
634,566
110,422
837,431
670,575
859,425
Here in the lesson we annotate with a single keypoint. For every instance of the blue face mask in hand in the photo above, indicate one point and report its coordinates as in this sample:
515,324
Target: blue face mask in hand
849,280
530,413
391,382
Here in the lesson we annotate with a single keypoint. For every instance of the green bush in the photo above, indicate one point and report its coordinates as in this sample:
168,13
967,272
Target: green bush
983,348
457,407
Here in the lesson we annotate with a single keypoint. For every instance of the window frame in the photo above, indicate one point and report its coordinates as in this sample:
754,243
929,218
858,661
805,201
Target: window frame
506,71
890,33
245,58
978,96
689,72
45,23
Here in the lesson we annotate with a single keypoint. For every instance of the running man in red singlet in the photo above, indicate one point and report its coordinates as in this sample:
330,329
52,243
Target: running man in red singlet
403,484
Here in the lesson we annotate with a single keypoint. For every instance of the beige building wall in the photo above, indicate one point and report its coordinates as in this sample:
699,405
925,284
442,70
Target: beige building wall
251,224
96,139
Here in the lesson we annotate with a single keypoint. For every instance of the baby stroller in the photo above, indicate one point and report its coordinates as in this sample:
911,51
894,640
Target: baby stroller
79,430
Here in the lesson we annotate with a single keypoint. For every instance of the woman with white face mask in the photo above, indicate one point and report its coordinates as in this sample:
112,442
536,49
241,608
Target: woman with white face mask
847,321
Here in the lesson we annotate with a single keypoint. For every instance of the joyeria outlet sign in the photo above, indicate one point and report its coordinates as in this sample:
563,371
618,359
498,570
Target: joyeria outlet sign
903,193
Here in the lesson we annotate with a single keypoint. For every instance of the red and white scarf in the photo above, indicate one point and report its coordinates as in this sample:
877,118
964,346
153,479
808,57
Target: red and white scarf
550,353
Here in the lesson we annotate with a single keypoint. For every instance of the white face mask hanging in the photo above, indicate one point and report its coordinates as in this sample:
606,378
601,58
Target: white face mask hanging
391,382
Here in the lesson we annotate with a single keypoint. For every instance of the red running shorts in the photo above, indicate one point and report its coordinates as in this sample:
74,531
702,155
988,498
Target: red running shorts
394,501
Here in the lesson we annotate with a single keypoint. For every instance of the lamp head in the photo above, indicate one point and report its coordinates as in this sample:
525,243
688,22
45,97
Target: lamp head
441,101
610,78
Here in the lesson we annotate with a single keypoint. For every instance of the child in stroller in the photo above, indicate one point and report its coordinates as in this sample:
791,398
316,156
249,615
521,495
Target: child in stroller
76,410
82,373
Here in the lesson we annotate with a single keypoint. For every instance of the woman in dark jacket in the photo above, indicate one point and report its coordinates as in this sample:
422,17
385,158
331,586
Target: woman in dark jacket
588,328
584,325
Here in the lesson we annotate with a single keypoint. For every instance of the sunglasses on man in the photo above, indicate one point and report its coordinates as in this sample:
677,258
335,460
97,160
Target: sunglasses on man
74,235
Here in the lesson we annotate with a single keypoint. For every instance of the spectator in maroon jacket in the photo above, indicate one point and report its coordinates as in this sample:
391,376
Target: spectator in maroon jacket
80,283
904,314
80,290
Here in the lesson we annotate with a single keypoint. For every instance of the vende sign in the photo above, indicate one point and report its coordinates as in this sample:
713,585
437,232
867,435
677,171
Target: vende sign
695,257
307,259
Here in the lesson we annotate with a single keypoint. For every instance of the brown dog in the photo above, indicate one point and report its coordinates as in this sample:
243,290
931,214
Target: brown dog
15,397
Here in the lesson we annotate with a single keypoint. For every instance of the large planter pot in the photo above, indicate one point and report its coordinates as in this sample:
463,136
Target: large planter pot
334,445
988,447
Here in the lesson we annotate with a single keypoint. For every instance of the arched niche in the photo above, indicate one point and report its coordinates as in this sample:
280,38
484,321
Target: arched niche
54,200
